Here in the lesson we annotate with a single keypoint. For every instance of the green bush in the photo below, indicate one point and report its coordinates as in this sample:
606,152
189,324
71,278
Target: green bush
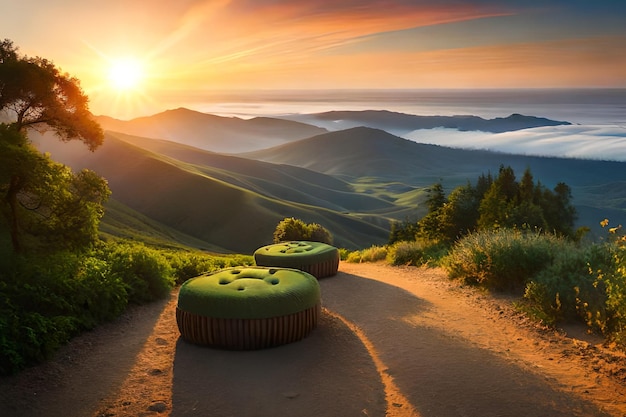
586,284
552,292
188,265
291,228
344,253
503,259
146,272
416,253
45,300
372,254
602,302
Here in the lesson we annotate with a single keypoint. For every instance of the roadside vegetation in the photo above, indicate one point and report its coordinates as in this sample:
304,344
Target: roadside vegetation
518,237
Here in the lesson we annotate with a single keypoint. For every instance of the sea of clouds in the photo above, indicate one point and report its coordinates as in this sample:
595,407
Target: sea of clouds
603,142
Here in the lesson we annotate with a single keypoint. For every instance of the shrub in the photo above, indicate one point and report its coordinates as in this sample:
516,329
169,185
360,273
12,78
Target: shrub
145,271
416,253
587,284
318,233
353,257
552,292
188,265
291,228
374,254
371,254
344,253
602,303
44,301
503,259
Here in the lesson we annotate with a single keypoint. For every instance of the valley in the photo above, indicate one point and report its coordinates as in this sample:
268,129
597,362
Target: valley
222,184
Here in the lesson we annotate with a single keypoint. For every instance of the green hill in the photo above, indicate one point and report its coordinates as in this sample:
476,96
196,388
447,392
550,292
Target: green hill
372,159
214,205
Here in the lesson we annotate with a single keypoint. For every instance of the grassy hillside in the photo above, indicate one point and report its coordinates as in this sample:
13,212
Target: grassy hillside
122,221
373,159
282,182
198,200
210,132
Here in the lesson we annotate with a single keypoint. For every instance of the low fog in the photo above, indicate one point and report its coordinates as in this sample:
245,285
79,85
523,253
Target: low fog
601,142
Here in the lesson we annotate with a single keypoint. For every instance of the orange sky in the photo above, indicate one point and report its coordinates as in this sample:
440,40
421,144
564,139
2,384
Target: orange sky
189,48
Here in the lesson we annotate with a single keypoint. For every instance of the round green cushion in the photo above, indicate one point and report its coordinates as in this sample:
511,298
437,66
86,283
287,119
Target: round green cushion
249,293
317,258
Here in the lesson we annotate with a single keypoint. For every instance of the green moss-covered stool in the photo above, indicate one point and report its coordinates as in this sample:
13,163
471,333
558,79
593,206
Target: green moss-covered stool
244,308
318,259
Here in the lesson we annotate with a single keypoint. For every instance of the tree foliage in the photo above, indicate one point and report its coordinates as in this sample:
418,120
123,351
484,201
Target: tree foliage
43,201
493,203
39,96
291,228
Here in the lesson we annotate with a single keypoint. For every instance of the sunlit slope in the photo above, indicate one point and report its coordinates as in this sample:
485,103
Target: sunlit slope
361,152
214,133
185,197
282,182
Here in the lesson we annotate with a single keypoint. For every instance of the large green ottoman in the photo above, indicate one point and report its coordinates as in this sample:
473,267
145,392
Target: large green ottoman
245,308
318,259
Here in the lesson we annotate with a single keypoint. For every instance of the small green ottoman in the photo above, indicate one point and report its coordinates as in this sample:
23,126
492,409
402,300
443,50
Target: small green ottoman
244,308
318,259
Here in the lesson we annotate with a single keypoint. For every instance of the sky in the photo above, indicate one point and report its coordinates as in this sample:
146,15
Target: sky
184,51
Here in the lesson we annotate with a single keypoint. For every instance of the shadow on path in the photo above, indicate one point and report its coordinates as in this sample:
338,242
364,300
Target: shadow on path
109,351
327,373
439,374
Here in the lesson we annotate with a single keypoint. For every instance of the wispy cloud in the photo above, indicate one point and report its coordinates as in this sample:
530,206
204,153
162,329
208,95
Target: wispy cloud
574,141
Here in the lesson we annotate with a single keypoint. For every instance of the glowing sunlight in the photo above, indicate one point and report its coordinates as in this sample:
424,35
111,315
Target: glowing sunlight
126,74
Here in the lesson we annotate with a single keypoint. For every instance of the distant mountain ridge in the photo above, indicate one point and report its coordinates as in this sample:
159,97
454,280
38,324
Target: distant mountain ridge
402,123
234,135
213,133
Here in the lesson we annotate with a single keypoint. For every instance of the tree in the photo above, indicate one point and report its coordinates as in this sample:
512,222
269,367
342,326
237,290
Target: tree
498,202
40,196
41,97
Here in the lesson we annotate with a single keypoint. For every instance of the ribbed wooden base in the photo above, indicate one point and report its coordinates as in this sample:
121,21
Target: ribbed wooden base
247,334
321,270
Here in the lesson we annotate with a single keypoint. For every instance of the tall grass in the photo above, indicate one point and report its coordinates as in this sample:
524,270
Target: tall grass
587,284
557,280
504,259
374,253
417,253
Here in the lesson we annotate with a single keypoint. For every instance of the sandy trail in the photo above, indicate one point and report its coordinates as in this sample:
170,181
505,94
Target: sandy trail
392,341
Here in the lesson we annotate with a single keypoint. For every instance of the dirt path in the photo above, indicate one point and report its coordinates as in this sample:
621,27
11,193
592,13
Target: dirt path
393,341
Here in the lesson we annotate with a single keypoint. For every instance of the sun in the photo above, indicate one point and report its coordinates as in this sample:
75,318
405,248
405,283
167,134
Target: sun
126,74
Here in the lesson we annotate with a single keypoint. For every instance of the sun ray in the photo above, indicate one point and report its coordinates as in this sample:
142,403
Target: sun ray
126,74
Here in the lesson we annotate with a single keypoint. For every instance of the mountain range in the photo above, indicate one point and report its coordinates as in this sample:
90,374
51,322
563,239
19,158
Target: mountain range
223,184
